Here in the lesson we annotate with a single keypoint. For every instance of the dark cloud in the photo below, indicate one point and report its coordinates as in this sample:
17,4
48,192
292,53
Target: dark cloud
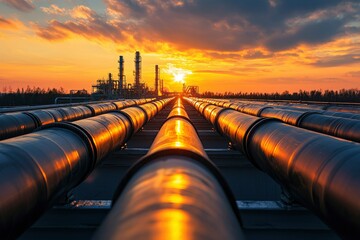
338,60
311,33
255,54
21,5
233,25
226,26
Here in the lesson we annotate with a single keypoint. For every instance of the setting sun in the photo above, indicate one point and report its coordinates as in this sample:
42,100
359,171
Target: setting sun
179,78
178,74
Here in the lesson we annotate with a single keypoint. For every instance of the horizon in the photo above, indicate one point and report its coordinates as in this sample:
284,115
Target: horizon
228,46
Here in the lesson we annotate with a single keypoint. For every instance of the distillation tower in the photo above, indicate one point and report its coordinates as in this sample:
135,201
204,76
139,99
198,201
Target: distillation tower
121,74
111,88
157,77
137,70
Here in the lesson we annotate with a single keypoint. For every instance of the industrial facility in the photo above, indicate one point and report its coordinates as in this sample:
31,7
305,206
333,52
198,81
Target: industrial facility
119,88
122,88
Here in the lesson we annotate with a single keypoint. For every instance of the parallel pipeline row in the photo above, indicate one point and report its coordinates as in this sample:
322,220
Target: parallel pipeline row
319,171
339,124
173,192
30,118
332,108
36,107
39,168
173,181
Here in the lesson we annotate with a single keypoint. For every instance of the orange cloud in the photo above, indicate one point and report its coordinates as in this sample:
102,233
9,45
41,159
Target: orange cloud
83,12
10,23
86,24
54,10
78,12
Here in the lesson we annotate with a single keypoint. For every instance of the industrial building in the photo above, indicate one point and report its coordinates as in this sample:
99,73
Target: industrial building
121,88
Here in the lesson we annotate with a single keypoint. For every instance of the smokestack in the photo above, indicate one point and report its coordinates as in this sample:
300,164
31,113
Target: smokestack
162,86
121,72
110,86
157,74
137,69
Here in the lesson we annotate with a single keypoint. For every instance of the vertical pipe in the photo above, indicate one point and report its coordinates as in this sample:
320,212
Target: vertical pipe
137,69
111,85
156,80
121,73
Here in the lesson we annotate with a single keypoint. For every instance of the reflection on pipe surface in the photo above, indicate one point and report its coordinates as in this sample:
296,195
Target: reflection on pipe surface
18,123
320,171
32,177
174,192
342,125
37,168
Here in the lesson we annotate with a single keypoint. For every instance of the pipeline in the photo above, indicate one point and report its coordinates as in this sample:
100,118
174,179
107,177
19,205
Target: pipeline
319,171
39,107
15,124
328,109
342,114
319,121
38,168
174,192
339,107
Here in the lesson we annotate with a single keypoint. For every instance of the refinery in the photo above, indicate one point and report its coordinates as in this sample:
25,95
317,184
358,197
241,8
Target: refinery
122,88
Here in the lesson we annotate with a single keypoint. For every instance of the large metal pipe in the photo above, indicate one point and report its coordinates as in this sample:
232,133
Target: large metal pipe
313,120
178,110
15,124
174,192
321,172
336,126
39,167
37,107
35,170
342,114
344,109
350,110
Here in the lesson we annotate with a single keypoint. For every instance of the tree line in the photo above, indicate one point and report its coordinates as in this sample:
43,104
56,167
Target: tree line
40,96
33,96
343,95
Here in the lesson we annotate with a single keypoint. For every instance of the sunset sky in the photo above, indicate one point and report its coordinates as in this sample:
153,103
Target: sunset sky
227,45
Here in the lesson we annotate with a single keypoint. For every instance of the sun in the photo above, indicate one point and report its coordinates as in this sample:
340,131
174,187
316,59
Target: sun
178,74
179,77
